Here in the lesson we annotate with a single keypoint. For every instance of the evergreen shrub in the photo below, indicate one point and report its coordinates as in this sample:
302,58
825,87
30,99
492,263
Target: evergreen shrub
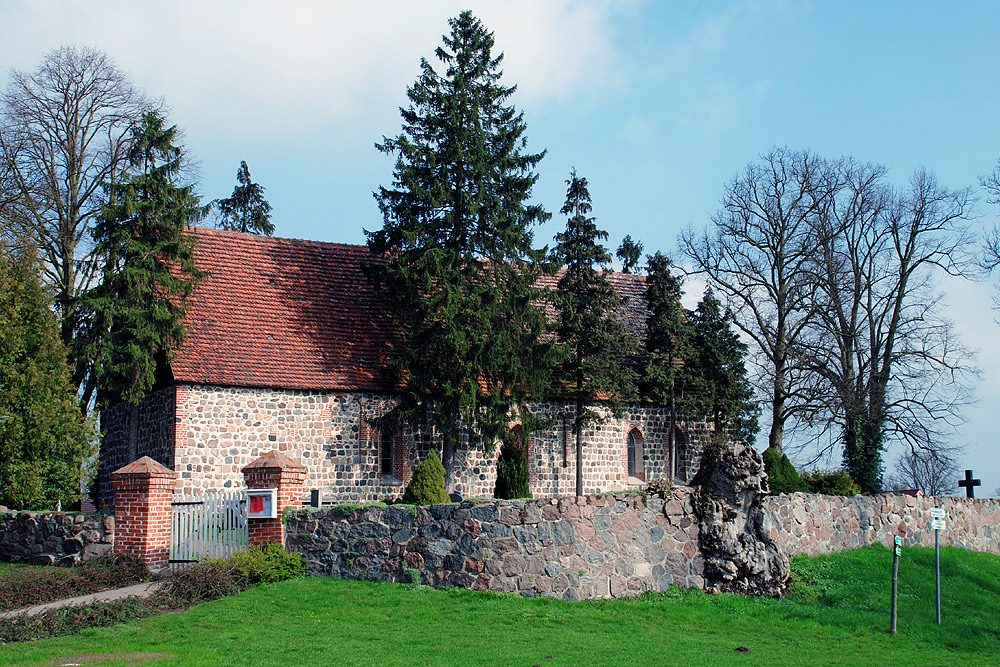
781,474
512,469
426,487
834,483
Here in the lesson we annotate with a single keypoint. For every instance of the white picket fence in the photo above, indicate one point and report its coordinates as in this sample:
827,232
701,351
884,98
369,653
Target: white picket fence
212,525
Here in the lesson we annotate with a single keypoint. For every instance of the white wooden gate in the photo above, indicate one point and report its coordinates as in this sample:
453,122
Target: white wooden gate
212,525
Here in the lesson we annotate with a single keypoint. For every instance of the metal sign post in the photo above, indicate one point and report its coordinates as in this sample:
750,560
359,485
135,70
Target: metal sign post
895,577
938,524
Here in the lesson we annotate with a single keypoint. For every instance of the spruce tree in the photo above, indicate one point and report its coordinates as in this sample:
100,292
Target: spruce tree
245,210
457,271
629,252
149,268
669,343
44,437
594,341
723,390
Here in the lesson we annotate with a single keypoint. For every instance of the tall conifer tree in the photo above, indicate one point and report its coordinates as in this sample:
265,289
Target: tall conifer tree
148,268
245,210
594,339
669,343
724,393
44,438
459,270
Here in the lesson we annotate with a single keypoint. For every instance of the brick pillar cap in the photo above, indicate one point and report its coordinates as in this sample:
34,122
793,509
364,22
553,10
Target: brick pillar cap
145,466
273,459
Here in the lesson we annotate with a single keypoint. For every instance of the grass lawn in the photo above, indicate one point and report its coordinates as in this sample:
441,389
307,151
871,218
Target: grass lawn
6,567
837,614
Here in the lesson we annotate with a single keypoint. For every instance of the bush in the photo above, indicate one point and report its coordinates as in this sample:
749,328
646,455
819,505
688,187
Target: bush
71,620
834,483
201,582
426,487
215,578
659,487
116,569
27,586
268,564
781,474
512,468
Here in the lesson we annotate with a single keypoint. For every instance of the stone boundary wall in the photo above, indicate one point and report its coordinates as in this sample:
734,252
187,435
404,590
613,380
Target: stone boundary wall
811,524
605,545
55,538
592,547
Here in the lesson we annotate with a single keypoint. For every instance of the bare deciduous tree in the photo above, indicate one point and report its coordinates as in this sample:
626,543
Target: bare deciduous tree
757,254
936,473
892,362
991,248
65,129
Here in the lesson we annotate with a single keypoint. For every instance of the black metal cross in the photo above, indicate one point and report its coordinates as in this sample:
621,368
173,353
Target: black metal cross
969,484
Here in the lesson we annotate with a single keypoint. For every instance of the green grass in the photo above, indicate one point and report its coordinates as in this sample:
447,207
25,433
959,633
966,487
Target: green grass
837,614
6,567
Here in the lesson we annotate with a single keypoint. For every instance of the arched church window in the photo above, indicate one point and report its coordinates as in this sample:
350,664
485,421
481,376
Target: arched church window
636,466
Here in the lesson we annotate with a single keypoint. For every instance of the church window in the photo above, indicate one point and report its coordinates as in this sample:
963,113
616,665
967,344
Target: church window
636,466
385,453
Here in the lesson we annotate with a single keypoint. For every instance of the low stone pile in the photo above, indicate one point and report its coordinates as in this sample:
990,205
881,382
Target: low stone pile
56,538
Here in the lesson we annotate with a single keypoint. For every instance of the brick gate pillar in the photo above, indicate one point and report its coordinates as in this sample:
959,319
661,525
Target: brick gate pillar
274,471
142,510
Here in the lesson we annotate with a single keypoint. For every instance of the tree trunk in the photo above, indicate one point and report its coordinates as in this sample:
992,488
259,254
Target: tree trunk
671,439
579,463
448,459
776,435
133,432
578,427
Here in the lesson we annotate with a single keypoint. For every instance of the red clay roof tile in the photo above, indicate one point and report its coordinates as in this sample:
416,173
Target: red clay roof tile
295,314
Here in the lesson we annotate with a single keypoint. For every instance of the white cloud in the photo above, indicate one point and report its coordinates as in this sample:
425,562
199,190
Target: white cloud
233,68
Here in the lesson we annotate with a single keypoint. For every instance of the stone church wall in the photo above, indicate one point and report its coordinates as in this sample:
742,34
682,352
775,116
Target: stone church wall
208,433
155,438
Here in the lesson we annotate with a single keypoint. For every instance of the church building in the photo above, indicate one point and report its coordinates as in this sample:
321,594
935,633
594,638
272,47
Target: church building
284,351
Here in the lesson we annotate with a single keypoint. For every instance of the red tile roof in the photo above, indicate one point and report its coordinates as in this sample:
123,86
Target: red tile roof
278,312
296,314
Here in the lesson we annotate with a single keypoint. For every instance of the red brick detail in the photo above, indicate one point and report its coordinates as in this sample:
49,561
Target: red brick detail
274,470
142,510
532,463
400,458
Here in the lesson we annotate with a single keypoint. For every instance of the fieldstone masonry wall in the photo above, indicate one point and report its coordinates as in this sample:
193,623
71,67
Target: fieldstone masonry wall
610,545
155,438
571,548
207,434
811,524
54,538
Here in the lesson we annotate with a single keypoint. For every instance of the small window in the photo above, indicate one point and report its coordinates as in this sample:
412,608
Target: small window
636,467
385,453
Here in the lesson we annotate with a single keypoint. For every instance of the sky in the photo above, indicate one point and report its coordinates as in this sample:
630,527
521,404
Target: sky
658,104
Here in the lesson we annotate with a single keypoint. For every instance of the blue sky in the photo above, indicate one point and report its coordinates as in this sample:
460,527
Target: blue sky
658,104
